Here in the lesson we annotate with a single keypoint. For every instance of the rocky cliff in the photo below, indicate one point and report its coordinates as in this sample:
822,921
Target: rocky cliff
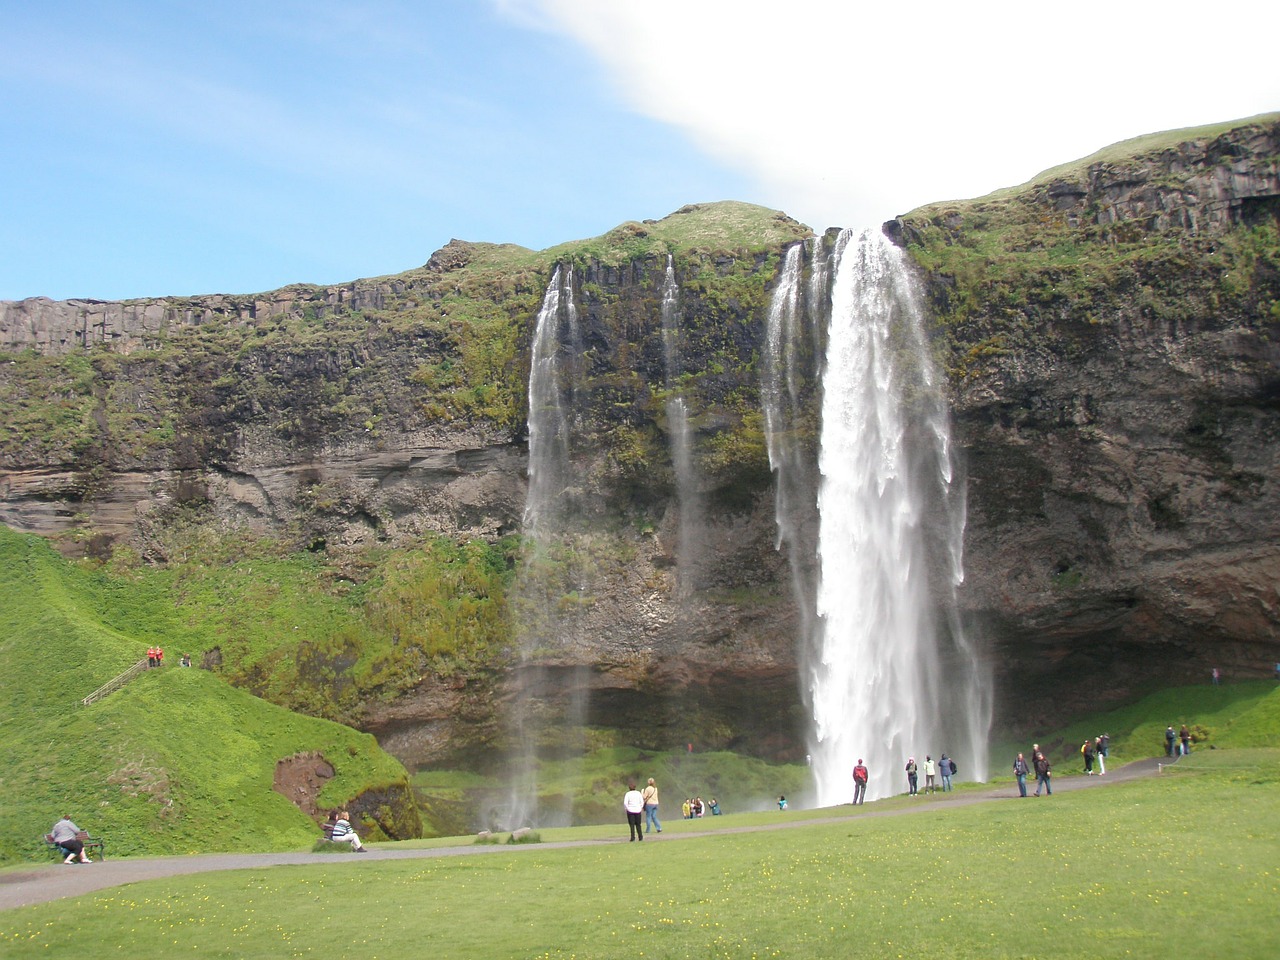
1109,329
1113,330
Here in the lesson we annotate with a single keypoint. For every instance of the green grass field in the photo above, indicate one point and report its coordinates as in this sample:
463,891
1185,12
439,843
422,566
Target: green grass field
1179,865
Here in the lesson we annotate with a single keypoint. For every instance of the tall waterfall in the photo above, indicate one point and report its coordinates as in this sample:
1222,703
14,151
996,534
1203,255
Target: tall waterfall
549,707
788,381
688,546
889,670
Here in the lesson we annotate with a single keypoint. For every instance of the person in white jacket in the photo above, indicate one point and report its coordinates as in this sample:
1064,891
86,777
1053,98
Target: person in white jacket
633,804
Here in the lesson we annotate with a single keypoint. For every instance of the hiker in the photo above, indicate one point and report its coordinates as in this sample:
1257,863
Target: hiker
859,783
1185,736
1020,771
67,836
1044,771
1170,738
650,795
151,658
911,777
946,766
930,771
342,833
633,804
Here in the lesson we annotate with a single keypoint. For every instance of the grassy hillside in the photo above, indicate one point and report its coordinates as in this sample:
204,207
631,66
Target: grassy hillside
1181,865
177,761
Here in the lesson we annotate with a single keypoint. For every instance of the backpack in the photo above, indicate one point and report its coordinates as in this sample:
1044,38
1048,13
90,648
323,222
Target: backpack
953,767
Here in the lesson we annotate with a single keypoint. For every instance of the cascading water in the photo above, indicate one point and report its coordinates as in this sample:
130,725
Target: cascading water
688,553
788,380
549,705
890,672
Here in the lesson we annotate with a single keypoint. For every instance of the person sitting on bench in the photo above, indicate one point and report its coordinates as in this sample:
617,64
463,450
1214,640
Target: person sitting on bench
67,836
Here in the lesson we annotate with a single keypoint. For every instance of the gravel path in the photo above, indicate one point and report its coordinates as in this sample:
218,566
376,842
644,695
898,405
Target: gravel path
40,884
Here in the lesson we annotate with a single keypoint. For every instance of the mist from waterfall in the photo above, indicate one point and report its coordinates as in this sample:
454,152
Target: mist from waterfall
889,670
689,537
549,705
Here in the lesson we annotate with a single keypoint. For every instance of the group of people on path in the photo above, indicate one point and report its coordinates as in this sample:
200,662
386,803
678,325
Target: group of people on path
944,767
641,808
638,804
1177,744
1042,768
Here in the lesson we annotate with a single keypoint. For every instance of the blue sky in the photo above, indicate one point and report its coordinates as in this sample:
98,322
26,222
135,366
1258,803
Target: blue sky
176,148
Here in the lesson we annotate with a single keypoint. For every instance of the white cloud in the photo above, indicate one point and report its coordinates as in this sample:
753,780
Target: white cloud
847,113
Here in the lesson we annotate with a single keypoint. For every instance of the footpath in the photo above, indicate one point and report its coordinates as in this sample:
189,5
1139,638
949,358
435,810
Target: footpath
40,884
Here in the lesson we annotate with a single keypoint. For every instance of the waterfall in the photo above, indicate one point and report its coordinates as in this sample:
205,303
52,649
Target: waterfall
549,705
689,538
788,378
888,668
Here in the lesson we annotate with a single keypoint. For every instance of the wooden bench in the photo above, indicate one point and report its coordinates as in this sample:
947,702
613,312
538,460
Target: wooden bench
90,843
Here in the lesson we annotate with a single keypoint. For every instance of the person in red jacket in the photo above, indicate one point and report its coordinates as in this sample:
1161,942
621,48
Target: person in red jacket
859,782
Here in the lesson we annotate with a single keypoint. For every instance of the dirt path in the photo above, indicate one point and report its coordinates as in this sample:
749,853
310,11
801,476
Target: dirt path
40,884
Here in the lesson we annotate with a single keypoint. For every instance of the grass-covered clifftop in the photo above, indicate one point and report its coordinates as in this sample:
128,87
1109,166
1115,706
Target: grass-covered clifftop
177,761
1169,228
438,346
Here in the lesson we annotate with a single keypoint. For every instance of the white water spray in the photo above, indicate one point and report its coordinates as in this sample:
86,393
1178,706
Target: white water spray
549,706
689,539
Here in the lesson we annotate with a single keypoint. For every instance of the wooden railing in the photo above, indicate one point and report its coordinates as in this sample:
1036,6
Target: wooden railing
115,683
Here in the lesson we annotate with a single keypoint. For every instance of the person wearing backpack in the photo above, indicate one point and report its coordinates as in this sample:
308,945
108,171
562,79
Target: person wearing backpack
859,783
944,768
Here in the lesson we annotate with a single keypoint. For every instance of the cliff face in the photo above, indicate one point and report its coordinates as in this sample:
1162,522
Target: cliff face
1114,338
1110,332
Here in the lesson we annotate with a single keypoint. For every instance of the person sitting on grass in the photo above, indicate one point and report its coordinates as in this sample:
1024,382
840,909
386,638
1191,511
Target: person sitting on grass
67,836
342,833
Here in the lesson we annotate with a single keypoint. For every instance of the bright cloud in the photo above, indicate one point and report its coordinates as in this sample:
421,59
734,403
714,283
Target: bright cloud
847,113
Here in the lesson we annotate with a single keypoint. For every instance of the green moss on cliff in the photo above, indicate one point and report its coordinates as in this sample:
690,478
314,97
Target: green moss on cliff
1005,268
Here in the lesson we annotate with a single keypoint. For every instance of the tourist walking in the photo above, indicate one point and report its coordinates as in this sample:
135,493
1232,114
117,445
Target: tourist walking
650,795
859,783
633,805
1044,771
1020,772
911,777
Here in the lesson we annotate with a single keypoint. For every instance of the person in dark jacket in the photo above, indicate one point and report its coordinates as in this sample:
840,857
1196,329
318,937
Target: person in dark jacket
1020,771
1043,773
